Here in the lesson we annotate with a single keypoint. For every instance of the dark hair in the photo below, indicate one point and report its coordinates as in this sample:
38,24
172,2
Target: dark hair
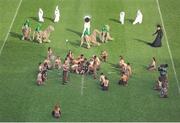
154,59
101,73
128,63
87,19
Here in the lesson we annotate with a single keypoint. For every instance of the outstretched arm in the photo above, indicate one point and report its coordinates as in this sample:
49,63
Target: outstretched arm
155,32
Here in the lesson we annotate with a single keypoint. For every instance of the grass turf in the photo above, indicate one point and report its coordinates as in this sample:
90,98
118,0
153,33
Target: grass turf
22,100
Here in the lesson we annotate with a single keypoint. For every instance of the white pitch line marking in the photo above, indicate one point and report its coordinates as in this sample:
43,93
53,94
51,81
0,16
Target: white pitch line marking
12,22
167,42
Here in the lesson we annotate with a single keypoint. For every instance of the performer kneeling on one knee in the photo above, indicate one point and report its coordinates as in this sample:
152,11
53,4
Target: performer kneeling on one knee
123,79
39,79
56,111
102,79
104,56
105,84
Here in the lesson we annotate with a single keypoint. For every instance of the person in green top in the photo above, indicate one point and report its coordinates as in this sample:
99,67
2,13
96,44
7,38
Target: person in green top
38,28
26,30
37,31
105,36
27,23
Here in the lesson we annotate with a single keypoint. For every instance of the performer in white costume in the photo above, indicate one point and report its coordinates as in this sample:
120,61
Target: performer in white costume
40,15
87,25
122,16
139,17
56,14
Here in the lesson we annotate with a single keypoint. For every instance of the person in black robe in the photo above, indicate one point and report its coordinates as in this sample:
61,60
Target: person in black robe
159,35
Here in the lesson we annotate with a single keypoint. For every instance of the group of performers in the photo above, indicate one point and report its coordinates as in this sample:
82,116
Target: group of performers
80,65
161,83
125,70
39,35
137,20
91,38
56,15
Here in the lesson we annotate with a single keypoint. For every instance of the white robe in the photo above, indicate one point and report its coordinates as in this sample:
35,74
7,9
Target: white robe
40,15
122,16
56,15
139,18
86,25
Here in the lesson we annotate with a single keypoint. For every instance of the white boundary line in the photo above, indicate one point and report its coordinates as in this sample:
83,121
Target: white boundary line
5,40
82,84
167,42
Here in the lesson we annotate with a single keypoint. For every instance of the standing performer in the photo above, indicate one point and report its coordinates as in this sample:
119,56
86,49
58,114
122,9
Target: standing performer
139,17
87,25
40,15
122,16
56,14
157,41
65,72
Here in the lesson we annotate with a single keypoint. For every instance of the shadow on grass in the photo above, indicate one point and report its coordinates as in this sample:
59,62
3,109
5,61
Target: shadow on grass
74,31
48,18
114,66
130,20
34,18
145,42
16,35
114,20
74,43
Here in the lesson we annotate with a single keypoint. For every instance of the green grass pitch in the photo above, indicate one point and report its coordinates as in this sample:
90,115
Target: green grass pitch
22,100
